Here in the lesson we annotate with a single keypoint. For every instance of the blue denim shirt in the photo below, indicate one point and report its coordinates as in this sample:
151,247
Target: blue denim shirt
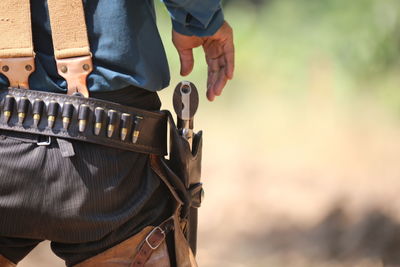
124,40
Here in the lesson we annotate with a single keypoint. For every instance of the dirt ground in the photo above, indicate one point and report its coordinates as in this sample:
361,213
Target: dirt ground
311,184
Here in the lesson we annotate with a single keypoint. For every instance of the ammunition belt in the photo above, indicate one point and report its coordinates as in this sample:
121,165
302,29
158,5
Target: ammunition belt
84,119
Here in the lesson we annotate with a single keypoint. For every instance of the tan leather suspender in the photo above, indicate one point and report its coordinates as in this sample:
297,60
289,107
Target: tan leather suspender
71,45
16,48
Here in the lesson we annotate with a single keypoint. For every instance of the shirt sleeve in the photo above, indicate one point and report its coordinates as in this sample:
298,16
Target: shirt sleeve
195,17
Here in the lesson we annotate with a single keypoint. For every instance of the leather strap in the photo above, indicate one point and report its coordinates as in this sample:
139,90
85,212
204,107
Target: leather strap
157,168
152,241
16,47
71,43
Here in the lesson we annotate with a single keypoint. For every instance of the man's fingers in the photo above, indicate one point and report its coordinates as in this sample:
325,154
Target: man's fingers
210,95
220,83
214,64
221,78
229,56
216,83
211,79
217,77
187,61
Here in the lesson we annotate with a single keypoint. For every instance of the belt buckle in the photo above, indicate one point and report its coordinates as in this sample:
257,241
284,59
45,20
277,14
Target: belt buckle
158,228
44,143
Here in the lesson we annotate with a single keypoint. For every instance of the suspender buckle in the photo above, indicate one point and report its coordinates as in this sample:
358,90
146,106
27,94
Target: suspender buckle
75,71
17,70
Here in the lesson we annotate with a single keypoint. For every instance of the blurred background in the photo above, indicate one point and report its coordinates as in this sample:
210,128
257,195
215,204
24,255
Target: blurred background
301,155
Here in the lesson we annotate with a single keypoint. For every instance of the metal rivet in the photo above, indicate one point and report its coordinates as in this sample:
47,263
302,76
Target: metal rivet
5,68
86,67
64,69
28,67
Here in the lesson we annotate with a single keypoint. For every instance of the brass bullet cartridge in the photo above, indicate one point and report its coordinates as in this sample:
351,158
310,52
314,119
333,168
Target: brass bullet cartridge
136,129
23,106
68,111
52,113
99,114
125,124
8,107
37,111
112,121
83,116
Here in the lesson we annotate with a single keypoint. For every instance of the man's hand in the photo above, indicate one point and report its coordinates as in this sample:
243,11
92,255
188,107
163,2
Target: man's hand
219,51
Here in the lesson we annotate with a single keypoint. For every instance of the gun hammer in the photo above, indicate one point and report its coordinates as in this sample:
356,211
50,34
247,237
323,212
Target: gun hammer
186,102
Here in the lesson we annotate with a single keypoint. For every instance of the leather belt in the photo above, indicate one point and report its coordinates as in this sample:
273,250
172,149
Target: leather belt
84,119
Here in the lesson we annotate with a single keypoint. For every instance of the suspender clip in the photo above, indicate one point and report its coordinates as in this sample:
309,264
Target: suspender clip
75,71
17,70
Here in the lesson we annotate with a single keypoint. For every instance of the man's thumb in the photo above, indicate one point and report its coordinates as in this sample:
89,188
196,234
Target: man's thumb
187,61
